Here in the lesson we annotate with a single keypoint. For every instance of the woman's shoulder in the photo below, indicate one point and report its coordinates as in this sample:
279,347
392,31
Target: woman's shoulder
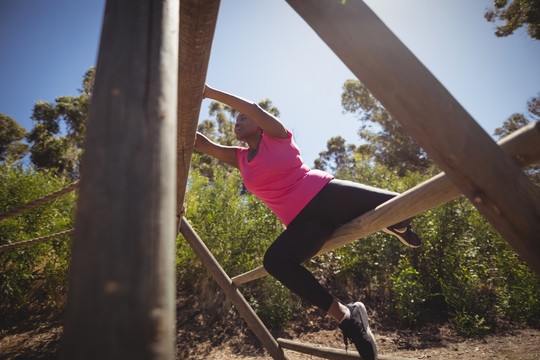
272,138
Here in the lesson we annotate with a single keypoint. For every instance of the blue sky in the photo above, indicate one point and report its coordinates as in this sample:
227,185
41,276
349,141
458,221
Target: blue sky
263,49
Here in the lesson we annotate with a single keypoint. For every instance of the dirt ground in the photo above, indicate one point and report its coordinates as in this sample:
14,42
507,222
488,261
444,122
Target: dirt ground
229,338
520,344
434,342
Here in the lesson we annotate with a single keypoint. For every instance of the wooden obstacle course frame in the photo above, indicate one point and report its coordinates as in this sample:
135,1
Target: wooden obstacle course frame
122,266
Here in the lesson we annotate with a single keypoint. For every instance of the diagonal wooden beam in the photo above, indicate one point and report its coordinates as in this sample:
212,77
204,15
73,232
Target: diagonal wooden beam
197,25
232,293
427,111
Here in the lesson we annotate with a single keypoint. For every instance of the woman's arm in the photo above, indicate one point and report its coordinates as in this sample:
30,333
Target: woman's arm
266,121
227,154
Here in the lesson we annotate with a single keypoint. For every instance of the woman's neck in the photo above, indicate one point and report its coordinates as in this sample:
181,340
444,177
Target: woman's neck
254,141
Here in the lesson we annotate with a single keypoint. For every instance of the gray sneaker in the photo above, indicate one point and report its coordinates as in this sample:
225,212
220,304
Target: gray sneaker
356,329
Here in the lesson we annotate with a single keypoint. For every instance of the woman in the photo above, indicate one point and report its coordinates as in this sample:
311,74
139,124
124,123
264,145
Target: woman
311,204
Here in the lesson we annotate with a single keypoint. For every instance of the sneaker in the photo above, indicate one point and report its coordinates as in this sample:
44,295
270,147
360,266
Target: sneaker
408,237
356,329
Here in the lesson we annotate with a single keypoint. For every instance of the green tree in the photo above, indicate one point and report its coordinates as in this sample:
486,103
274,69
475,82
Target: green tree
515,14
10,134
386,139
49,150
337,156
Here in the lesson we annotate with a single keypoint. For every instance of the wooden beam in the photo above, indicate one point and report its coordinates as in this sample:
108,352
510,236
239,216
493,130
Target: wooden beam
121,299
327,352
197,26
436,191
232,293
427,111
523,144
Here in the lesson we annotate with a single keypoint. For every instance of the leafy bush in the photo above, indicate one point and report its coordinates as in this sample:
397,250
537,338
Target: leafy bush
464,273
519,289
237,228
32,277
408,293
282,306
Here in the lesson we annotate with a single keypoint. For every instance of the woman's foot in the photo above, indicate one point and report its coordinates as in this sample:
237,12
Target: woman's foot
405,235
356,329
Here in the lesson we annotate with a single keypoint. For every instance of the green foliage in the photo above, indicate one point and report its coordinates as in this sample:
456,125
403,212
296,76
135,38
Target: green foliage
32,277
515,14
49,150
408,292
273,303
519,289
464,273
10,134
237,228
338,156
387,142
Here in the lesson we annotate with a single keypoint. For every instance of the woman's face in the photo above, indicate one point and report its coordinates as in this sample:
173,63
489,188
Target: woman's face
245,127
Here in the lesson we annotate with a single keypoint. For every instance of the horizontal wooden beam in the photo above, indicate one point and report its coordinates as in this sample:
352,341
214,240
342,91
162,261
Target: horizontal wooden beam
522,145
493,182
327,352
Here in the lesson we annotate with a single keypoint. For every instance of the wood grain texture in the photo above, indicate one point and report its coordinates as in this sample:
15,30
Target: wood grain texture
121,300
197,25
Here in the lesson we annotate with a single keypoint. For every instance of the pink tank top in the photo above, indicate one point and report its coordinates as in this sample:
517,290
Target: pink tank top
278,176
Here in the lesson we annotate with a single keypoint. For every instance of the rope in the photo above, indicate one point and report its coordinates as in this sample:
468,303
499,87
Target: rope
40,201
32,241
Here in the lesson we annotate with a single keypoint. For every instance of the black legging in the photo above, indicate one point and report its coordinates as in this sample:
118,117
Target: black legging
336,204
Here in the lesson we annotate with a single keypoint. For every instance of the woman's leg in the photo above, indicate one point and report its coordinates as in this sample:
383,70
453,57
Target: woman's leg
283,259
337,203
341,201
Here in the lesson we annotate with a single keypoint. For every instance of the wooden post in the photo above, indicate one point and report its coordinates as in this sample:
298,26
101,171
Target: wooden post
522,145
485,174
197,26
121,300
231,291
